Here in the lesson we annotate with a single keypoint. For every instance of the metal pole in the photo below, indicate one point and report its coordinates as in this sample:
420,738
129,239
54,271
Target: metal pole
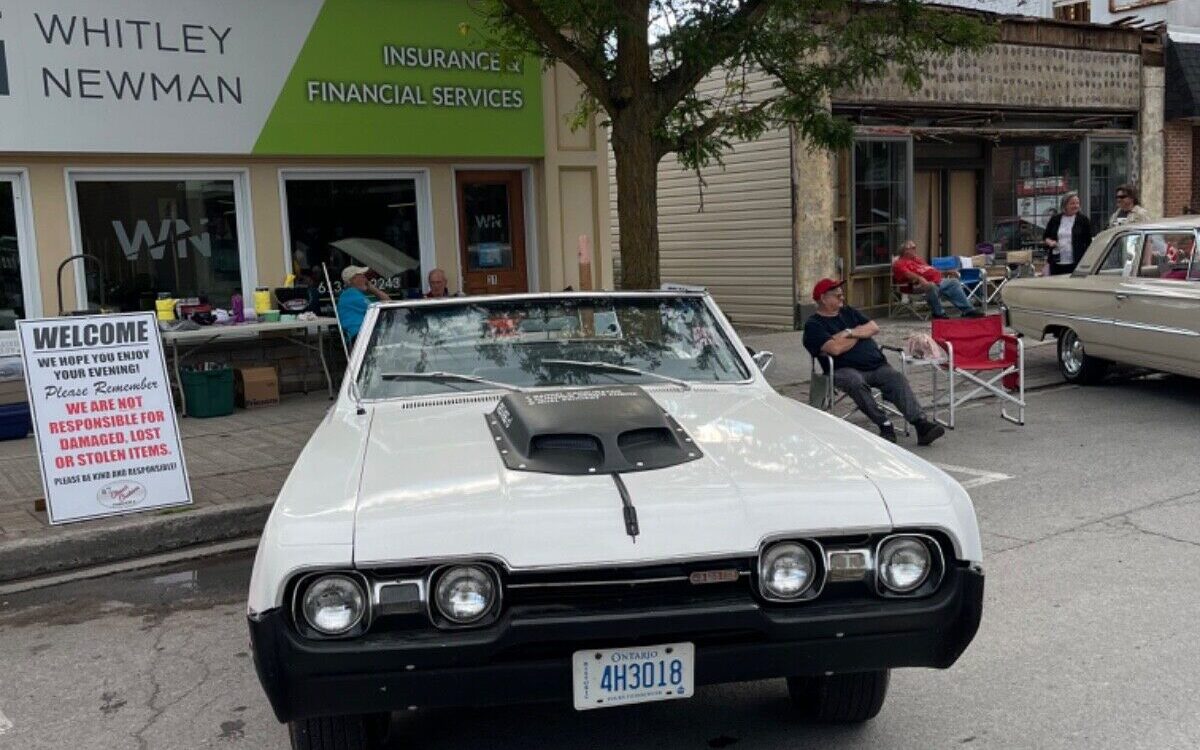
341,335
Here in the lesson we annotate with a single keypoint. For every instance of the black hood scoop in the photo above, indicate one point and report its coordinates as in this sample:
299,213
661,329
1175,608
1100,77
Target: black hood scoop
604,430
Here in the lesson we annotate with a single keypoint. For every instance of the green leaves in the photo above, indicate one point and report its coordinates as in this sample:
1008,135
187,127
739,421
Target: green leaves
684,76
700,53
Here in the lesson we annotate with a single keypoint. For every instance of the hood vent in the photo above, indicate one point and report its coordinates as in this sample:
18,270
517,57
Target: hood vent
448,401
587,431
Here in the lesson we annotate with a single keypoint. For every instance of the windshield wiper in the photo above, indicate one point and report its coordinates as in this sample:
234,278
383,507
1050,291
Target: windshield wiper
610,367
443,377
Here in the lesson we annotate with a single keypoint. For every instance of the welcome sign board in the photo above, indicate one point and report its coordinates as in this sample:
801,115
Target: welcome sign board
103,417
307,77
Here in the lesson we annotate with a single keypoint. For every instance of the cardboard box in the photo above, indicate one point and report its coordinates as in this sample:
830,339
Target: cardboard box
255,387
13,392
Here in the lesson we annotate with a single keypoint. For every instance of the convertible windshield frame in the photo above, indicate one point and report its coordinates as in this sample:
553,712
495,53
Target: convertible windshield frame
720,324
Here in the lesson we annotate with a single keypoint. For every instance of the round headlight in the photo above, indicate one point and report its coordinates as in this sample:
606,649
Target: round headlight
786,570
904,564
334,604
465,594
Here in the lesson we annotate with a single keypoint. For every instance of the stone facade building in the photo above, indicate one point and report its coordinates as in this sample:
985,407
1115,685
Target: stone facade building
977,158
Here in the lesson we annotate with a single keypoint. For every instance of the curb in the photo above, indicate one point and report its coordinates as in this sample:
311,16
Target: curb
132,537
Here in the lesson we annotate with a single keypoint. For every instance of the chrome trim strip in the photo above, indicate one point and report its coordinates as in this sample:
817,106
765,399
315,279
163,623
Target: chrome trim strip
1050,313
1167,294
1156,329
1109,321
573,584
600,566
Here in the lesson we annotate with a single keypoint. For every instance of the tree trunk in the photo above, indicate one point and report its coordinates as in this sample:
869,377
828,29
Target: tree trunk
637,199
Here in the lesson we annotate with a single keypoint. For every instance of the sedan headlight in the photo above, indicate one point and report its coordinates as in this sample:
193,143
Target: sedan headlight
465,593
904,564
786,571
334,604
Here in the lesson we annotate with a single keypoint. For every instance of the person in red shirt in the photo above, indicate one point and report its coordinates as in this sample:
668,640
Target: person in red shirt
911,271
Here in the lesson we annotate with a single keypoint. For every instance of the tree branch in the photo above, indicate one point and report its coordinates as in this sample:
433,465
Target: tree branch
704,130
564,49
723,42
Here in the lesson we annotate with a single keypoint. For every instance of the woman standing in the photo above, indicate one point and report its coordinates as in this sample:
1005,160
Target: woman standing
1129,207
1067,236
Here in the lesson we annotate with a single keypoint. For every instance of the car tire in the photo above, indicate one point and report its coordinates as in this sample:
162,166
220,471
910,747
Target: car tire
839,698
1076,365
357,732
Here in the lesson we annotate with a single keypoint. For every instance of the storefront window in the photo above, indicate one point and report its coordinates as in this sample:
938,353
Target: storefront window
12,295
368,222
1028,183
881,198
1108,167
177,237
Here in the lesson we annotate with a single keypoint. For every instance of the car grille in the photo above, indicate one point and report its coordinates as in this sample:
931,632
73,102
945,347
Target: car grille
617,590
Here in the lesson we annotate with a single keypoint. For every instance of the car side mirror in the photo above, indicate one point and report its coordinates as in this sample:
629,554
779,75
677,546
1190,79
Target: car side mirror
763,359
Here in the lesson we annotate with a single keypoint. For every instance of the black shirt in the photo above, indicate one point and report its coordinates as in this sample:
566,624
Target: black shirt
866,354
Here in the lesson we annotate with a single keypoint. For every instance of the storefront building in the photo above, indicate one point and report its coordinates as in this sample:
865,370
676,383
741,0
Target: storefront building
976,159
202,149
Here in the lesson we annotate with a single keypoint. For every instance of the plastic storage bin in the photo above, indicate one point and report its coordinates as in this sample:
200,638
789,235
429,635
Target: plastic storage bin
209,393
15,421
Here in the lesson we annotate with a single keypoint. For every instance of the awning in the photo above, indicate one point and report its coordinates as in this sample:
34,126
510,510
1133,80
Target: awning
377,255
1183,80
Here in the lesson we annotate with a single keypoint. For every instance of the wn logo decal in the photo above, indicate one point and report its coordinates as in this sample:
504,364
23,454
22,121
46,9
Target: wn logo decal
3,71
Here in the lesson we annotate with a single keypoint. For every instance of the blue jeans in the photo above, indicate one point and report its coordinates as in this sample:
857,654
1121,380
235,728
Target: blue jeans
951,289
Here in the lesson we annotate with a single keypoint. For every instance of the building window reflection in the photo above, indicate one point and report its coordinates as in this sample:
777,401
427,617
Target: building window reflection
172,236
881,200
361,222
12,292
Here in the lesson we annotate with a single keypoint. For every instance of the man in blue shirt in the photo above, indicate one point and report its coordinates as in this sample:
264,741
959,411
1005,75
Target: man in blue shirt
353,302
842,333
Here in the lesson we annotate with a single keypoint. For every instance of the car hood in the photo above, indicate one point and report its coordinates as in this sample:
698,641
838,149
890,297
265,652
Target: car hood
433,486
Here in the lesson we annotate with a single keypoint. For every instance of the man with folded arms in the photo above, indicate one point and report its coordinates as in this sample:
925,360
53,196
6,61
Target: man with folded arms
846,335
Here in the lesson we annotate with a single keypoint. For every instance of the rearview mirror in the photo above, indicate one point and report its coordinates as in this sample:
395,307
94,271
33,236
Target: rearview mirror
763,359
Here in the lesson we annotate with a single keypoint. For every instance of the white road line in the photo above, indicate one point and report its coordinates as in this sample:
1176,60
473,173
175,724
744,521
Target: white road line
5,723
980,477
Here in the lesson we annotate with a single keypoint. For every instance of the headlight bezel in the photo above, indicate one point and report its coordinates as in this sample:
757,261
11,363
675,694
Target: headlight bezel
304,585
819,576
933,577
437,615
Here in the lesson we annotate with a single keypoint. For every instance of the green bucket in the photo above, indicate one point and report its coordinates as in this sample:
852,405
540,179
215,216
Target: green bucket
209,393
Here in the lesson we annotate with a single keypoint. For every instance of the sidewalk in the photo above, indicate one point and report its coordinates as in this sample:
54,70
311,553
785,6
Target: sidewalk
238,463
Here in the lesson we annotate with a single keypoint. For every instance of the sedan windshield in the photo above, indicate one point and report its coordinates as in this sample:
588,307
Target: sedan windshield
546,342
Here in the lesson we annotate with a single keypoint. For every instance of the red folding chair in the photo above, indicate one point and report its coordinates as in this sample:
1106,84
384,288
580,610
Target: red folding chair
968,343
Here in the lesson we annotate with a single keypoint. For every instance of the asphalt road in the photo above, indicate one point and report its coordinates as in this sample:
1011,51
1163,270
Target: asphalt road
1091,519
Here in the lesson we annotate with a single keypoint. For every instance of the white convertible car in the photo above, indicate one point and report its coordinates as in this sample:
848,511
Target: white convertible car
593,498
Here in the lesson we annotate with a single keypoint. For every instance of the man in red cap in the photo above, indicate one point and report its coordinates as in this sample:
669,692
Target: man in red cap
844,334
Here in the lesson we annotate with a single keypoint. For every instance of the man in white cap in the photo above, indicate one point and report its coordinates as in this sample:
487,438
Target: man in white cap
353,302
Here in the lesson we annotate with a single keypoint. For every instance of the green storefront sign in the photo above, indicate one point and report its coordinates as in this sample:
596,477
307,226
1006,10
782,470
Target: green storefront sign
397,77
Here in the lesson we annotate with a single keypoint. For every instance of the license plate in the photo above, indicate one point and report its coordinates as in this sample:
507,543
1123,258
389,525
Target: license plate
623,676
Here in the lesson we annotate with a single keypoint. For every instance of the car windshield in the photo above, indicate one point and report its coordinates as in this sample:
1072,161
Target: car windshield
546,342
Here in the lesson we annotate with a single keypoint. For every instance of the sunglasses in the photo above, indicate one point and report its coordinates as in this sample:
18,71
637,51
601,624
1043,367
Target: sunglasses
1122,196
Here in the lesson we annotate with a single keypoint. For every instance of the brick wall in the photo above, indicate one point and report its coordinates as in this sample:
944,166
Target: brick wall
1195,171
1177,167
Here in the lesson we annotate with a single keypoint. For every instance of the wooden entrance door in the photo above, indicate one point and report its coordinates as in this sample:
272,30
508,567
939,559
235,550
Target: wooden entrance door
491,229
